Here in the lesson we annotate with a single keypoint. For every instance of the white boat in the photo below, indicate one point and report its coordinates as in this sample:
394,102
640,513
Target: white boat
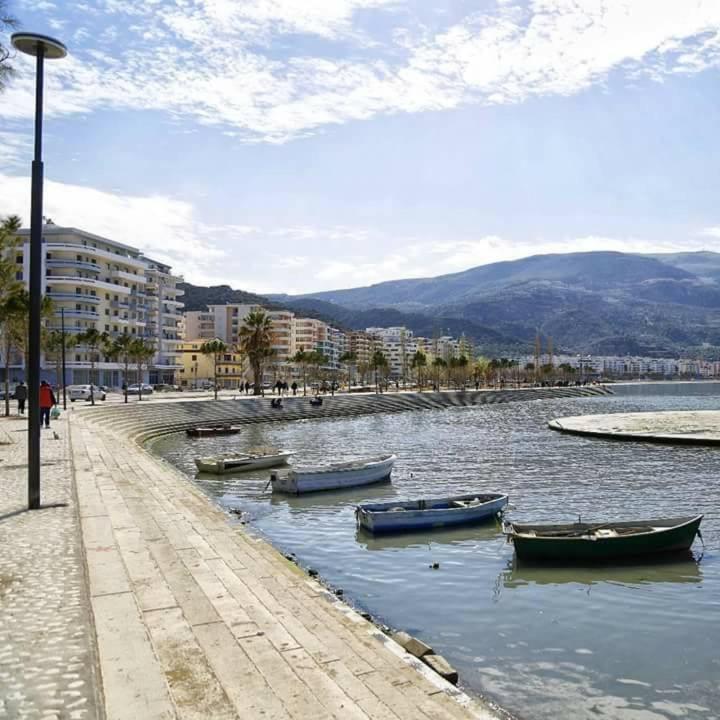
333,477
428,514
241,463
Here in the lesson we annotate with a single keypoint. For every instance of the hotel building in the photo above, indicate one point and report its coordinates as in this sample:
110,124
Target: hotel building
103,284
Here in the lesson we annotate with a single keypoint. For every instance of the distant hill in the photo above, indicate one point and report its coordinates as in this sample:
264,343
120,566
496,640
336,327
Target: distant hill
597,302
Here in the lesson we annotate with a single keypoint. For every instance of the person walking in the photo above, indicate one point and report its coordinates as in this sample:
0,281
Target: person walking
294,387
21,397
47,402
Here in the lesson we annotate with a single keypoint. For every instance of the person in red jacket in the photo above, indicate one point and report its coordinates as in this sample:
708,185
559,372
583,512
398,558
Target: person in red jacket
47,400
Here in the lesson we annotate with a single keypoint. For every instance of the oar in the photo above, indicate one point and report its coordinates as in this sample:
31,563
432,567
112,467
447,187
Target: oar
587,531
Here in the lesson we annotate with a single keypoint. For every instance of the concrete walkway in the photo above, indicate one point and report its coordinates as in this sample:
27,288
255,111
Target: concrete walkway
692,427
196,618
48,666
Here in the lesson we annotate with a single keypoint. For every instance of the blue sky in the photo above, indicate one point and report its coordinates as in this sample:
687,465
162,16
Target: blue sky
299,145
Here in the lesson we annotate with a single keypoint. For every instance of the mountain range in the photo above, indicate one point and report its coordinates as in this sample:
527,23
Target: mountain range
592,302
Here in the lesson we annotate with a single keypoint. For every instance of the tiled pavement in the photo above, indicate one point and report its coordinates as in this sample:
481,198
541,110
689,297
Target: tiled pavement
47,665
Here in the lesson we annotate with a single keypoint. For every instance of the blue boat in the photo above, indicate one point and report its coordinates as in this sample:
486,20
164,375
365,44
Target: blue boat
428,514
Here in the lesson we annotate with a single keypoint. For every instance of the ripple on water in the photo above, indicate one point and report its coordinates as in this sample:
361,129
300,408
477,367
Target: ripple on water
549,643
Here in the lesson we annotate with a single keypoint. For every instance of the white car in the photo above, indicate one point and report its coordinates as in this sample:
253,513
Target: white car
82,392
135,389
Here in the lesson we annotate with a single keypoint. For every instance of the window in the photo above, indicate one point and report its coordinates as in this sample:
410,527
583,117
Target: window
114,328
78,291
107,311
107,328
133,331
193,357
19,275
19,259
78,306
78,258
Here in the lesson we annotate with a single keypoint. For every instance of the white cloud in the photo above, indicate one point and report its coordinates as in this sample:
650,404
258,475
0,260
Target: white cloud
15,149
292,259
228,63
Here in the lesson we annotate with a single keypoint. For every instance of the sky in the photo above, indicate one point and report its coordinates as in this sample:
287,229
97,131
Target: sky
305,145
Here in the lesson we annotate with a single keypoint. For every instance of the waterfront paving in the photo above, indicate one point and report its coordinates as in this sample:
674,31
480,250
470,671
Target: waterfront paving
691,427
197,618
131,595
47,660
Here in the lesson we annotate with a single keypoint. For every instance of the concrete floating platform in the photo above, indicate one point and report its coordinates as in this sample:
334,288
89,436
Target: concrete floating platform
692,427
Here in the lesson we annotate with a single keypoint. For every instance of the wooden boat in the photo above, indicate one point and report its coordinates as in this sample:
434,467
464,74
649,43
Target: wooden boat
212,430
428,514
602,542
334,477
242,462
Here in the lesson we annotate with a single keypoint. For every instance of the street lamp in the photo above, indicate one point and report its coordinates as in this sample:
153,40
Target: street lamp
40,47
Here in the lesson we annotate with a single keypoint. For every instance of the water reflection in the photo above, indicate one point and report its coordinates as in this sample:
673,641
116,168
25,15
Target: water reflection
441,536
681,567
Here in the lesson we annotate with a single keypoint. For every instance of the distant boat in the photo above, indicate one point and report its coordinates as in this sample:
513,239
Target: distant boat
428,514
602,542
212,430
333,477
242,463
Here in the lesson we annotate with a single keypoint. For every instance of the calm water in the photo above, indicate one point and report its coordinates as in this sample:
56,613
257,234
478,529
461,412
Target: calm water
636,643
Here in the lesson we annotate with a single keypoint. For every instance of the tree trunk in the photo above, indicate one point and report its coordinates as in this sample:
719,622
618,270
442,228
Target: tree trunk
92,377
215,377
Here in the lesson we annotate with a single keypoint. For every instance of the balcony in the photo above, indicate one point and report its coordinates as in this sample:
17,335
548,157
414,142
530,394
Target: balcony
89,282
97,252
72,297
89,314
70,263
130,277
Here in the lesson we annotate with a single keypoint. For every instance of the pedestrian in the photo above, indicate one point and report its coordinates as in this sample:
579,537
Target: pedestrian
47,402
21,397
294,387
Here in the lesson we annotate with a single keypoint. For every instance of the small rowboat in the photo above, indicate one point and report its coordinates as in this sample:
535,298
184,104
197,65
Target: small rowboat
602,542
333,477
241,463
212,430
428,514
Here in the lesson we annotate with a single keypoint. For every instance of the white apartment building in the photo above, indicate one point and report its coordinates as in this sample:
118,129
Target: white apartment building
103,284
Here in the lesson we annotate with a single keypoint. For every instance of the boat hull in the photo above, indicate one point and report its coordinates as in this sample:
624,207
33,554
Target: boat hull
218,467
380,518
299,482
586,549
211,431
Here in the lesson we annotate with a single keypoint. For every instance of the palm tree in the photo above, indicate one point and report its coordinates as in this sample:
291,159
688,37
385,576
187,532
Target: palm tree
7,23
215,348
418,363
350,359
256,343
302,358
142,351
95,341
121,349
481,368
378,362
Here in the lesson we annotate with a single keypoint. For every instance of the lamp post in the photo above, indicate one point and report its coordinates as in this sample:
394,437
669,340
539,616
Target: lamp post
62,326
40,47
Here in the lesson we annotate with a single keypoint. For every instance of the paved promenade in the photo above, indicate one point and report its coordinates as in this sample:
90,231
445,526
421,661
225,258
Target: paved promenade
692,427
47,649
181,613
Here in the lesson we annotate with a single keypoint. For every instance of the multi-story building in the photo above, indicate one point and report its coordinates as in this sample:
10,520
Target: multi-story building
95,282
198,369
164,320
199,325
362,344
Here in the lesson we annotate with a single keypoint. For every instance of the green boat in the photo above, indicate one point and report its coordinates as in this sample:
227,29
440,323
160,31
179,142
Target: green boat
601,542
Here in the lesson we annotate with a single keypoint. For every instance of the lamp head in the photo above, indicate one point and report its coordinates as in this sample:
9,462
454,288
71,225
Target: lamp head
34,43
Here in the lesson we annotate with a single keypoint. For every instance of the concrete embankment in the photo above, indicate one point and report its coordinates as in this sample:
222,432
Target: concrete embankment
143,421
669,427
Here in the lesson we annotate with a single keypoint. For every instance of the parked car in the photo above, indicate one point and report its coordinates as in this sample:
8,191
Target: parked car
134,389
11,392
163,387
82,392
